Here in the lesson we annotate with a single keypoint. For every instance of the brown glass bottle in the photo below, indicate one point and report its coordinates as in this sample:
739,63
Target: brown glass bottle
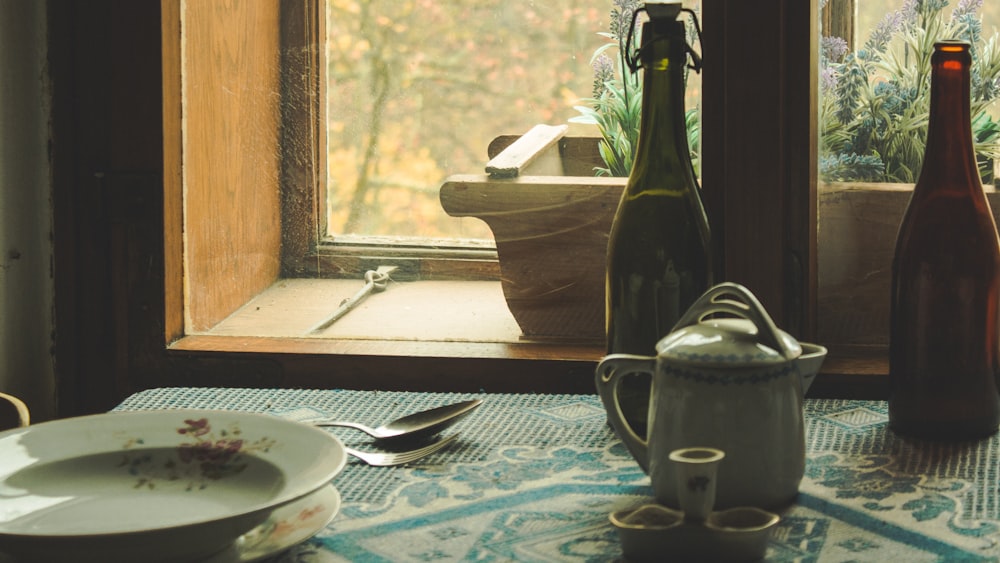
658,253
944,343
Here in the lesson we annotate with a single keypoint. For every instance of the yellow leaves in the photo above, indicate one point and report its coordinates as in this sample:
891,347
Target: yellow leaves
568,96
346,43
386,22
349,6
435,82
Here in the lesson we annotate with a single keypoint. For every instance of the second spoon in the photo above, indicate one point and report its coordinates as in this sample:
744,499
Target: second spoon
421,424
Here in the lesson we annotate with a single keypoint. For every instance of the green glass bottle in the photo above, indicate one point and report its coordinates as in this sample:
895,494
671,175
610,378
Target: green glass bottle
659,251
944,342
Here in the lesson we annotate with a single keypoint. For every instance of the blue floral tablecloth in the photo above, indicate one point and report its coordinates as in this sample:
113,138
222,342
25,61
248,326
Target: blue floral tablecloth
534,477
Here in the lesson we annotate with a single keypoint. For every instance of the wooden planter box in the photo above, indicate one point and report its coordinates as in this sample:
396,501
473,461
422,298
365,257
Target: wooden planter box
551,218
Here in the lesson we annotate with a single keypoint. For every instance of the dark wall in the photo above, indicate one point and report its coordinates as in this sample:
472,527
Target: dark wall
106,151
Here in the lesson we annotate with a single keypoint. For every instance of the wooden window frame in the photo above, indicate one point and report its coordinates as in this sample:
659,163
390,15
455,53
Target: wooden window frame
770,247
778,171
225,286
118,198
117,193
300,109
306,250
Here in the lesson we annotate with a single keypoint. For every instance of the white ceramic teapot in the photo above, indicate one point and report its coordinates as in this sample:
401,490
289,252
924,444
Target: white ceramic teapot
724,378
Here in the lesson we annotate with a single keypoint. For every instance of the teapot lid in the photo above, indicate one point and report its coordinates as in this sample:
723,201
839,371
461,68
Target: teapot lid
728,327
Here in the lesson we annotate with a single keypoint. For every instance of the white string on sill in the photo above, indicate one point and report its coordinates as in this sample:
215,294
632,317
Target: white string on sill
375,281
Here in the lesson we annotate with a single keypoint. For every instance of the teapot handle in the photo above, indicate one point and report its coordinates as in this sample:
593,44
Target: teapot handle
608,374
720,299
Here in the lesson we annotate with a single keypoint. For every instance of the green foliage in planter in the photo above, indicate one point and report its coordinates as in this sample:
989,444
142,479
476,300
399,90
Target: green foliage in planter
873,114
616,110
616,105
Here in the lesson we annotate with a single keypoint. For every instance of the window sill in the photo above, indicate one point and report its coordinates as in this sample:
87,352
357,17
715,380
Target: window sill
426,335
439,335
853,373
406,317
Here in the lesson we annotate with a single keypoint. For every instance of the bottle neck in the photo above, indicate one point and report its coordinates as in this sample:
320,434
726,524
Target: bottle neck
662,146
949,153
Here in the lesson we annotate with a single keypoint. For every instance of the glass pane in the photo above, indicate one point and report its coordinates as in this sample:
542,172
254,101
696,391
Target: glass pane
875,94
417,89
874,100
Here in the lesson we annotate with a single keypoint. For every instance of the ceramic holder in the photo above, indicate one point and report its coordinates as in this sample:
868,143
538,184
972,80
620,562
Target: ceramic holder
696,532
696,473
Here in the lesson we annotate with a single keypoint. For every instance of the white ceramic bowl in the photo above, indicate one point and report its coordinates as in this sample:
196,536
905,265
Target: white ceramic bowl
163,485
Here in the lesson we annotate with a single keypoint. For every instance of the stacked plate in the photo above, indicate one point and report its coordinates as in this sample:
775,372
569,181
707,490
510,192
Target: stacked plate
166,485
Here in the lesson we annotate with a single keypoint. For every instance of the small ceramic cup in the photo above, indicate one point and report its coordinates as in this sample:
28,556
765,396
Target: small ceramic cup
696,470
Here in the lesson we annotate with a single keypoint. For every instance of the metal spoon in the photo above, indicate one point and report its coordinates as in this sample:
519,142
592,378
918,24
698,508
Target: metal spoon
417,425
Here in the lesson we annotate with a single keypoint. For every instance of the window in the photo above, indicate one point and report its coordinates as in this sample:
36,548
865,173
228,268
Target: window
759,127
226,69
417,90
858,219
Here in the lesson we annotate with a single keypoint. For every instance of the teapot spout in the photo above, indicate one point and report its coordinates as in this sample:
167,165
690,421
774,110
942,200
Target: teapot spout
809,363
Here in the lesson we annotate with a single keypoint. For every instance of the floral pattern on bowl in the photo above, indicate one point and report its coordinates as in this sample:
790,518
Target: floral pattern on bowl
208,455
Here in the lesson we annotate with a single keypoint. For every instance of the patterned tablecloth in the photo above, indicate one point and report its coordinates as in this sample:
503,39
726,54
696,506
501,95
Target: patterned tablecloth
533,478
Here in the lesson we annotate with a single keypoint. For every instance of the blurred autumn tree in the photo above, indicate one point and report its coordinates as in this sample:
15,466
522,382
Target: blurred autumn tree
418,88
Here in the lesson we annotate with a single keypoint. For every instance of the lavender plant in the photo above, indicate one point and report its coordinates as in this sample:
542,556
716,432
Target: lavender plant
875,101
616,105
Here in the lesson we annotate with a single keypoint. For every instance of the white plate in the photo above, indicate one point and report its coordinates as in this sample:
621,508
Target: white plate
153,485
287,526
